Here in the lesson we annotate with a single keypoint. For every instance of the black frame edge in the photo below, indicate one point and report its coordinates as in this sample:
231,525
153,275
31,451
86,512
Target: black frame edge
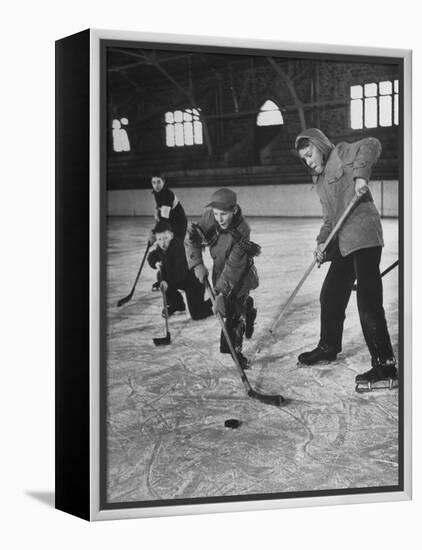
72,420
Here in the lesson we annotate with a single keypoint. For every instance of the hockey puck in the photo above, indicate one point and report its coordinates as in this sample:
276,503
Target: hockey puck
232,423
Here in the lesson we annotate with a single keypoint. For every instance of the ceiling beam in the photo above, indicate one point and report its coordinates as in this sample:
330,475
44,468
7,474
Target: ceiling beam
291,87
144,62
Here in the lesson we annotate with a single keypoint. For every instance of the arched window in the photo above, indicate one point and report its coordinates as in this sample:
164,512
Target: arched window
269,115
120,137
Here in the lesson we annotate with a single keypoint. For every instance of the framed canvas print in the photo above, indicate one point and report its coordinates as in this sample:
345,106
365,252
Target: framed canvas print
233,274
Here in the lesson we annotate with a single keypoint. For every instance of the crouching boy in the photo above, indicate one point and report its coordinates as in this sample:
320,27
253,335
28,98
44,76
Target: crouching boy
169,255
223,228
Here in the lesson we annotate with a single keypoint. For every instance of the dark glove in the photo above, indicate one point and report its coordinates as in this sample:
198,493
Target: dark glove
154,258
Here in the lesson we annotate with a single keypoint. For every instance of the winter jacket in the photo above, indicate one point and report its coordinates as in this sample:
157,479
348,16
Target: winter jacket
336,188
233,271
174,266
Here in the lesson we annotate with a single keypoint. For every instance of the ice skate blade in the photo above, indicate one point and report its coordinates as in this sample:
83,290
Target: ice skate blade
385,384
324,363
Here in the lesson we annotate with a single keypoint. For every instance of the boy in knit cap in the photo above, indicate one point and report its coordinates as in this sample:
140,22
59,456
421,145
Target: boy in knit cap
223,228
339,173
169,255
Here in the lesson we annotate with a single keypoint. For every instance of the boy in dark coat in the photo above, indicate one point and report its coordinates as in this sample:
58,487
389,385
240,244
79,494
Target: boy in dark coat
339,173
234,275
169,255
167,208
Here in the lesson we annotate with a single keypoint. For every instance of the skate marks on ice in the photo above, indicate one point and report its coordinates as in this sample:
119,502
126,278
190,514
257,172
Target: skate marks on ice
167,406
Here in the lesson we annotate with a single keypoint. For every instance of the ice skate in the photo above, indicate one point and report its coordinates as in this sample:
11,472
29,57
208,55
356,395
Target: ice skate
321,354
382,376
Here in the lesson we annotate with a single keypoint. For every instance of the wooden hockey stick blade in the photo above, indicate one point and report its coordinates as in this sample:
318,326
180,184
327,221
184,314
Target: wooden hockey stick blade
276,400
124,300
129,296
163,341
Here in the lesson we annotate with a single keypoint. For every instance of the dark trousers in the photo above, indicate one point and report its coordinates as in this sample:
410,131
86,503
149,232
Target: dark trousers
362,266
235,323
198,307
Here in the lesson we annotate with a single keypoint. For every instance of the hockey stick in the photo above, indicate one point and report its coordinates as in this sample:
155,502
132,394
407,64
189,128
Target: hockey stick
127,298
276,400
314,262
167,339
387,270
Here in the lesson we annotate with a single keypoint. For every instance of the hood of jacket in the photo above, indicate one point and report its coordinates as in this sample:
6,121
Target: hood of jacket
164,188
317,138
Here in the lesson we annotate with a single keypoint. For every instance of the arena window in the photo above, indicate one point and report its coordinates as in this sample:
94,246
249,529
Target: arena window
183,128
269,115
374,104
120,137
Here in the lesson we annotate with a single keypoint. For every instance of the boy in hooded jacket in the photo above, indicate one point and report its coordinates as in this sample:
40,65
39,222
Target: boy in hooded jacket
223,228
339,172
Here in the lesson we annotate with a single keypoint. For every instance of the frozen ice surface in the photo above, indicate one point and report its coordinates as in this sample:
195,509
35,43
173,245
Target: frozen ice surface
166,406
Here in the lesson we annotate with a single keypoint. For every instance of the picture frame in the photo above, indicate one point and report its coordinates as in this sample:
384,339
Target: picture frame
90,472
